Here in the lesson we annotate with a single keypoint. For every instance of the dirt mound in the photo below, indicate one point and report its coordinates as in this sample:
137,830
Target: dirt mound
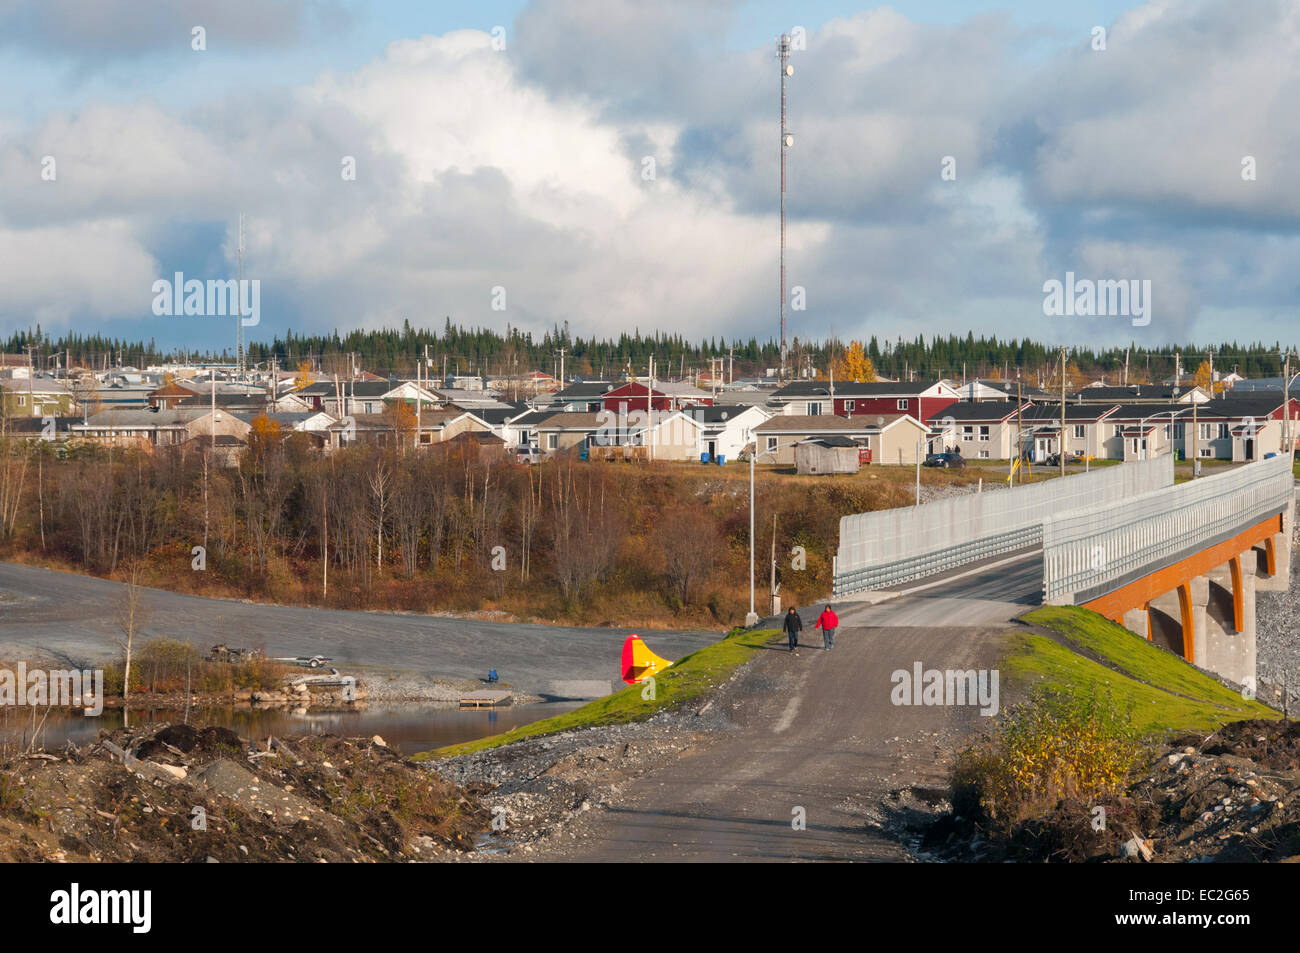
176,793
1231,797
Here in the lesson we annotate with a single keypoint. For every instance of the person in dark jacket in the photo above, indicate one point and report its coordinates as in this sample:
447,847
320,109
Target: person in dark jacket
792,626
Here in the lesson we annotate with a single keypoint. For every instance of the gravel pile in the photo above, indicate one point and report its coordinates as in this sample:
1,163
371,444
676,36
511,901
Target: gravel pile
533,788
1277,643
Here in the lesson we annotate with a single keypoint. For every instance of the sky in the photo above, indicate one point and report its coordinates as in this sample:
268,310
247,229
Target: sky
614,164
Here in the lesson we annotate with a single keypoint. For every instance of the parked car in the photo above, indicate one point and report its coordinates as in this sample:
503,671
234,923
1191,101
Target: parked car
528,455
947,460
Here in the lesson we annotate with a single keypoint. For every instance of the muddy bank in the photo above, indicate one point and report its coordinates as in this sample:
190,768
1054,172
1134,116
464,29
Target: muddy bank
180,794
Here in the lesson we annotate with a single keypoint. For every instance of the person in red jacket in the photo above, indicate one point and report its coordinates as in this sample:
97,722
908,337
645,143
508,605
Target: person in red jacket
828,622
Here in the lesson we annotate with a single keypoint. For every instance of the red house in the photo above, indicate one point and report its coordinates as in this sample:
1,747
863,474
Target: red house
920,399
630,397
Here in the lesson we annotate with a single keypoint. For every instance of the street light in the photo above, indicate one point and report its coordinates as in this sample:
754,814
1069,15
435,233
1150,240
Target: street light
752,618
1172,414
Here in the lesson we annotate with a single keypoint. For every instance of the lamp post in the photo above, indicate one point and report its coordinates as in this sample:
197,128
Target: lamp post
1142,426
752,618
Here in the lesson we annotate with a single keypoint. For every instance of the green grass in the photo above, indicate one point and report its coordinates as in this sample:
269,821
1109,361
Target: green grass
685,681
1166,693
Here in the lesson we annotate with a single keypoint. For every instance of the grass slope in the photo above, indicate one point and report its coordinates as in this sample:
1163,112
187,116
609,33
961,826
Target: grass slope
1165,692
686,680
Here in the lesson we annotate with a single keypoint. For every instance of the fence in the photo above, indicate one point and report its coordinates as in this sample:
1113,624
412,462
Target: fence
1086,554
888,547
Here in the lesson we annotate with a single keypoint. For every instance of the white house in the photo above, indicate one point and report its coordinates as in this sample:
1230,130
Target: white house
726,430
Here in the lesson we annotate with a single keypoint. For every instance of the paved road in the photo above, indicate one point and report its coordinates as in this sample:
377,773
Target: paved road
818,730
72,618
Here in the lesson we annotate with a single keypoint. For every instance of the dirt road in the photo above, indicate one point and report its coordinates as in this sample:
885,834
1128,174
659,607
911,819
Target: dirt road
817,731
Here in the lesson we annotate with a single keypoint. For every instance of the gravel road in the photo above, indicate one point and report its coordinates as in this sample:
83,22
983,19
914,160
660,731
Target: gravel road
71,617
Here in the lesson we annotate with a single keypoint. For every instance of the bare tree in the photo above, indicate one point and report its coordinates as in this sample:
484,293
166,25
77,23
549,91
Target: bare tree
132,616
689,541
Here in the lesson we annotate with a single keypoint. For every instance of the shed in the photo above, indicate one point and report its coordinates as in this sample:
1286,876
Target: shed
829,454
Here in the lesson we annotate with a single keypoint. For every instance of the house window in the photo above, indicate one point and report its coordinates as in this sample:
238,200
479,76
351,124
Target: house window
968,433
552,441
22,400
1118,428
1078,431
902,405
426,438
984,454
848,406
1223,431
984,434
771,443
814,408
1205,451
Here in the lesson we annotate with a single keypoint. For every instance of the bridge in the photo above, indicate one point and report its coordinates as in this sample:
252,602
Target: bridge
1178,564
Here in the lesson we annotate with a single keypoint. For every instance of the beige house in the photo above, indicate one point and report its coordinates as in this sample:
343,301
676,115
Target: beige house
637,435
149,429
886,438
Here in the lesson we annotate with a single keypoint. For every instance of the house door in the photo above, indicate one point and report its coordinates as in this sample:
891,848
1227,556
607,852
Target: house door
713,449
1250,448
1042,447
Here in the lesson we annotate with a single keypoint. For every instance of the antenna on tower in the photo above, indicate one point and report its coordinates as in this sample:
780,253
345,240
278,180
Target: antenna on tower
787,140
239,311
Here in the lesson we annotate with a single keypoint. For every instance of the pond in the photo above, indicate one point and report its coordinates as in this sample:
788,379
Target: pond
407,727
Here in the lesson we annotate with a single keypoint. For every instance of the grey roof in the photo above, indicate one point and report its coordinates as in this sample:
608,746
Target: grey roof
533,418
832,440
1142,411
583,390
1075,412
717,414
798,389
991,410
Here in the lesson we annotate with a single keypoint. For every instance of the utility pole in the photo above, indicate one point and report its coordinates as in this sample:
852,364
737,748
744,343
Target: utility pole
561,351
31,396
239,311
1196,439
1286,405
783,56
1061,443
1020,429
1126,351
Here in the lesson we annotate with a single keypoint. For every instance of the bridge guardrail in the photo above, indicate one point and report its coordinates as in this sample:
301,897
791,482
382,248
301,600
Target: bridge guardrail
879,549
1089,553
929,564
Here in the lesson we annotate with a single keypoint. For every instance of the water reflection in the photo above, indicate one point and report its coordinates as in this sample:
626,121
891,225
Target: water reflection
409,728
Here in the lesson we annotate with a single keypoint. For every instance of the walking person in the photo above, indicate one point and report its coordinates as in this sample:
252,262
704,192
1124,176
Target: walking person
792,626
828,622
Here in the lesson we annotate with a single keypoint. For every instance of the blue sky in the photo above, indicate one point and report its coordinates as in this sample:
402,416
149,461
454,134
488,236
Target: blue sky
524,169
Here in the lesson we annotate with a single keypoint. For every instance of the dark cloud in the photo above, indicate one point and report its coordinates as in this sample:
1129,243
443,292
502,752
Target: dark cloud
115,29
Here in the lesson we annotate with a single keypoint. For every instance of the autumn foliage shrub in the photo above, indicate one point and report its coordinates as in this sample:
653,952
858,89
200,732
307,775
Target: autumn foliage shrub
1045,751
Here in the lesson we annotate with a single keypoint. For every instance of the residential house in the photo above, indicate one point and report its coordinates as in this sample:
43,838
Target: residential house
150,429
637,435
1085,430
36,396
920,400
580,396
888,438
978,430
726,429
